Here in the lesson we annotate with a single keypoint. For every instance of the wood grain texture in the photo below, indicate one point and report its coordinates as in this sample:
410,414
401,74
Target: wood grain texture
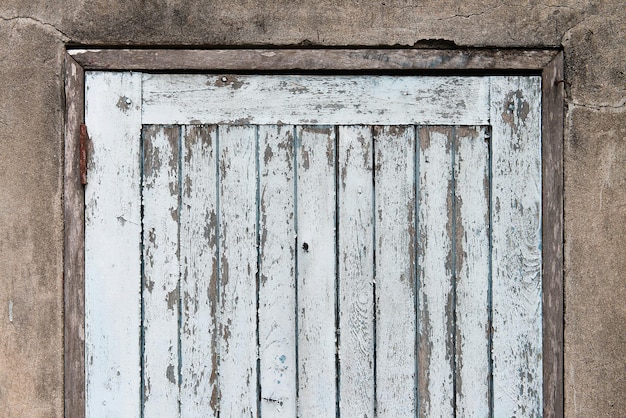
74,245
519,243
161,285
199,391
319,100
356,271
395,270
436,343
516,242
315,157
471,247
238,270
313,59
552,236
112,245
277,293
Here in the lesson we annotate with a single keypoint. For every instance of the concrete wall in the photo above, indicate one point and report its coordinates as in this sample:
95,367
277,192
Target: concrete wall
33,35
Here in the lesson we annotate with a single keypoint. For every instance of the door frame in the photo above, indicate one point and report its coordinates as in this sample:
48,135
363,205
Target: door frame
545,62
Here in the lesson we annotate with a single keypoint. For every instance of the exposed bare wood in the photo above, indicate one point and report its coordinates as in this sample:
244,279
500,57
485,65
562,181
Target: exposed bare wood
84,137
74,244
313,59
552,231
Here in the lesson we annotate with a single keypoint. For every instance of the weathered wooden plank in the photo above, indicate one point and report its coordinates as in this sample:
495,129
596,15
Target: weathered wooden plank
161,285
238,270
436,319
319,100
552,236
471,218
356,271
74,245
315,157
277,294
199,395
395,270
516,242
313,59
112,250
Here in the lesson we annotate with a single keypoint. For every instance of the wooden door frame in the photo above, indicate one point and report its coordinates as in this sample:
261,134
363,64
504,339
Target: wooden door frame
545,62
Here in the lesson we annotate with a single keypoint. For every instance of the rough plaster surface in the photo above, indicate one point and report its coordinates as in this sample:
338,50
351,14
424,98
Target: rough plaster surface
595,332
33,35
31,221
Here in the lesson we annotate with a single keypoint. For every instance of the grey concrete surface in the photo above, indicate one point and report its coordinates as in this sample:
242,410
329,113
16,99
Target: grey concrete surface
34,33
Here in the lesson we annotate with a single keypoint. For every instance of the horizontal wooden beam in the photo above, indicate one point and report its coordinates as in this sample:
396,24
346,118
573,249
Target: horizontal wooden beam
313,59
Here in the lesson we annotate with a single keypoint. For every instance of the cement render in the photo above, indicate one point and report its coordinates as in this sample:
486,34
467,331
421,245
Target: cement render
33,37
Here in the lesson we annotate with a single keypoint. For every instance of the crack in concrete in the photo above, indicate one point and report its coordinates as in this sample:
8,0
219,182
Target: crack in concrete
37,22
467,16
619,107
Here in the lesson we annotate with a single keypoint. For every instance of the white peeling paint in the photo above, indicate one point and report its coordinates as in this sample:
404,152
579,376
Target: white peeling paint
516,237
318,100
395,270
113,248
365,242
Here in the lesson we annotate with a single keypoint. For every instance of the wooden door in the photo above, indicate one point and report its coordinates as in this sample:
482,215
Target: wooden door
285,245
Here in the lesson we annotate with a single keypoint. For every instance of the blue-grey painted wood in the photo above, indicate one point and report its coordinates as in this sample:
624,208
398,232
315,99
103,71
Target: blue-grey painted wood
436,272
516,242
297,203
472,285
277,293
112,246
199,391
238,270
316,271
394,148
161,286
355,246
315,100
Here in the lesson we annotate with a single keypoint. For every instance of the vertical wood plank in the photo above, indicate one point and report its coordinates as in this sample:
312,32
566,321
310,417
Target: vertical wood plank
238,270
471,187
277,295
112,250
552,236
516,241
395,270
74,244
161,286
316,271
436,269
356,271
198,257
